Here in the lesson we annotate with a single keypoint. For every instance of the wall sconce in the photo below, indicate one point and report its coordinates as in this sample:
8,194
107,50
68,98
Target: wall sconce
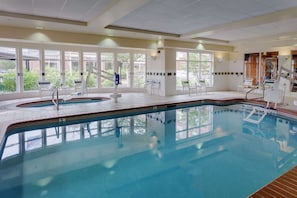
220,59
154,54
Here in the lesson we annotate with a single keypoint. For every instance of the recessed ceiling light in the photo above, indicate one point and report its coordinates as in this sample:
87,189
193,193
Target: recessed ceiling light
284,37
109,32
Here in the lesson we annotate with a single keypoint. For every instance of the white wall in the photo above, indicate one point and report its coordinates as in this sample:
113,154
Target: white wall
163,68
156,68
236,65
170,71
222,72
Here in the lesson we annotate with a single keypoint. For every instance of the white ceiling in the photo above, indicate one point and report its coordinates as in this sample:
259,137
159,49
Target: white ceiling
229,21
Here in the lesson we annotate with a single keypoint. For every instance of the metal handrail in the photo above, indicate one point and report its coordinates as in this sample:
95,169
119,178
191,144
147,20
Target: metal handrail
249,91
256,87
55,92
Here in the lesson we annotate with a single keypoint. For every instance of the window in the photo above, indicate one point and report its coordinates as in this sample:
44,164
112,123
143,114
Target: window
107,69
91,129
73,132
52,61
139,124
71,60
193,122
194,66
31,68
33,140
65,67
53,136
181,68
8,70
19,144
123,61
139,70
90,68
107,127
124,124
206,68
12,146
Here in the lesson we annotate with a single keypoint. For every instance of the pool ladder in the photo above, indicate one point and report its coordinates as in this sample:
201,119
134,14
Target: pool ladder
256,115
55,98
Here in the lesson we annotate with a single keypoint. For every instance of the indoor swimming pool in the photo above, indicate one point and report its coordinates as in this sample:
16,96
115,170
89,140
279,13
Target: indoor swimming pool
202,151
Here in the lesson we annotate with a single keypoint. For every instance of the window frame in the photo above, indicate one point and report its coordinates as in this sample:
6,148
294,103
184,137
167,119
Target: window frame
187,61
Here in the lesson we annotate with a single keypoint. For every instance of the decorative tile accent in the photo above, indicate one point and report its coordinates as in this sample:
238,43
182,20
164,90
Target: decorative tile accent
227,73
160,74
174,73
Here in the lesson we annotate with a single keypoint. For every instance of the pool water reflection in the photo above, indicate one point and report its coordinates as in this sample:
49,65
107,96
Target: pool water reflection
202,151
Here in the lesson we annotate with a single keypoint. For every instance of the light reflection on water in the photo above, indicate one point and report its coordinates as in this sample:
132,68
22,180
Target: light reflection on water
203,151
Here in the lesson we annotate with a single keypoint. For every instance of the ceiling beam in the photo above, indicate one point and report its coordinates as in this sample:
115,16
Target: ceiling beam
204,39
43,18
113,27
115,11
277,16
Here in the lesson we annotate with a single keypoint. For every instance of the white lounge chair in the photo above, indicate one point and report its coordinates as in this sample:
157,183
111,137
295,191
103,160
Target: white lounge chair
202,87
45,87
155,87
247,84
273,95
189,87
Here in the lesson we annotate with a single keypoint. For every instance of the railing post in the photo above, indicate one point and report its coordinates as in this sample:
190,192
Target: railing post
57,102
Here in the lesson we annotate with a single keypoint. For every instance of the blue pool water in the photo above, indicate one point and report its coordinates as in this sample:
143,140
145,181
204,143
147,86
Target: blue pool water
202,151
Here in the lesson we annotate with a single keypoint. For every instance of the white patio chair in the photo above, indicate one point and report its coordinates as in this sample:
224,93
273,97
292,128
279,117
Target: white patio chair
44,87
189,87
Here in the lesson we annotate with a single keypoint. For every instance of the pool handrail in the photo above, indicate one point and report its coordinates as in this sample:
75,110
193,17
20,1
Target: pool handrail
55,92
249,91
